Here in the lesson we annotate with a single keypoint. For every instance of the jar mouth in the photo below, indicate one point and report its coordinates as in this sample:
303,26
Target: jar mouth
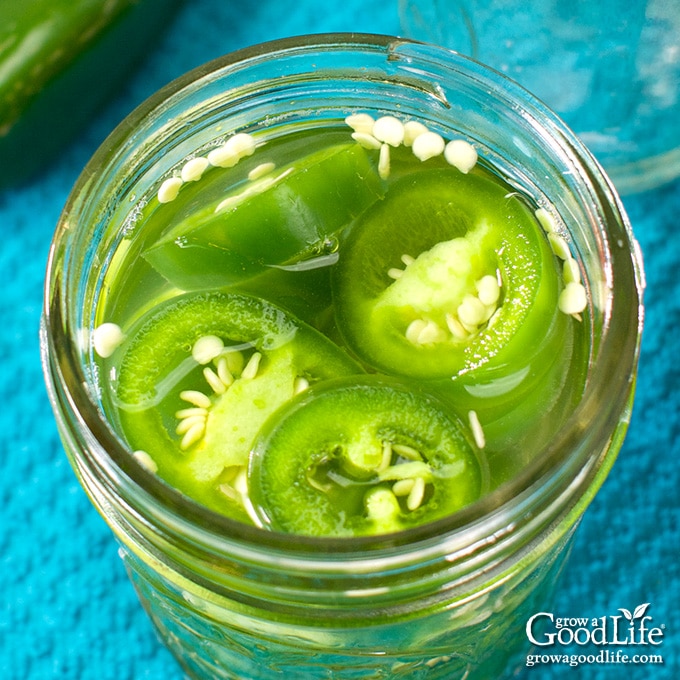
565,465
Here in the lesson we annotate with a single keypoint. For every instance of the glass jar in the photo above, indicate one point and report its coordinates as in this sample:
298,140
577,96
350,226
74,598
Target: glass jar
446,599
610,69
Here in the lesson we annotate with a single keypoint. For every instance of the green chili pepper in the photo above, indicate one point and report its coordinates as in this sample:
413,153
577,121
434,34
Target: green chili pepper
220,363
59,61
449,275
362,456
286,219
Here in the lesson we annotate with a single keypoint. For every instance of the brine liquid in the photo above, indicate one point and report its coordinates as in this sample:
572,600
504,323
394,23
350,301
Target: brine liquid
509,425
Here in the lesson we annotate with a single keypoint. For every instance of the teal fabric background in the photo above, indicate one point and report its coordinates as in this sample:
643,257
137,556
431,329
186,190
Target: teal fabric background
67,610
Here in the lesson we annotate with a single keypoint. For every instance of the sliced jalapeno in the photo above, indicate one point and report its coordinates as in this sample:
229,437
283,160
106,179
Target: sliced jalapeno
449,276
200,376
369,456
288,218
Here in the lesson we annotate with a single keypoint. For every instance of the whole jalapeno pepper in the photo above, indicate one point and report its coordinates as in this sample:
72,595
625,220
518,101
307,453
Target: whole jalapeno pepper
59,61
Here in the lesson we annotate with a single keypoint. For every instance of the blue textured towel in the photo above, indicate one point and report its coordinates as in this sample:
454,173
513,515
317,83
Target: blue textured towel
68,611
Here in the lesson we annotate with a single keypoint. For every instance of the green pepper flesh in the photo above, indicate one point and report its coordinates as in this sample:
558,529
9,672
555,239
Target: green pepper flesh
319,467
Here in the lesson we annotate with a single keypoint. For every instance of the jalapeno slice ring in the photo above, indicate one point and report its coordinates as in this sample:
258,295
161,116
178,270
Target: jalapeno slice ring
199,377
289,217
449,275
360,457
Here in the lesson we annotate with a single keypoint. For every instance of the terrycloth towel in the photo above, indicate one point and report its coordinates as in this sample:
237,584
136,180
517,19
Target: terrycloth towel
67,610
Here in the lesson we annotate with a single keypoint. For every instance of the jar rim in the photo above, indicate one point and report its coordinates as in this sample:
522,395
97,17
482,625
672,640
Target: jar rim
605,395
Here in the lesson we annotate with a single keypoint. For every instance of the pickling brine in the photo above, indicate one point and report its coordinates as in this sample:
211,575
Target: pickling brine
341,330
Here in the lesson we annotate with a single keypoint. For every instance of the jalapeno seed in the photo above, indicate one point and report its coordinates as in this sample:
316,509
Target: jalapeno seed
428,145
106,339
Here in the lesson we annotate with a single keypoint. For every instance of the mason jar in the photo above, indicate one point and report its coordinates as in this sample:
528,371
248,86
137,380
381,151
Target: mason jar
446,599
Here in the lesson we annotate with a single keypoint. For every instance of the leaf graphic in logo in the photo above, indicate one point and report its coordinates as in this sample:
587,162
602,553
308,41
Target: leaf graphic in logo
627,614
640,610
